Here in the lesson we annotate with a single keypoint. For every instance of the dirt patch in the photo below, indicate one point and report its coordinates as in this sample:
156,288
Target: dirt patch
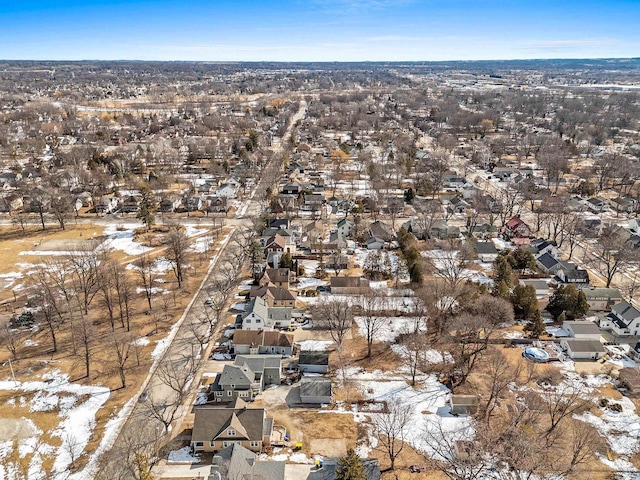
328,447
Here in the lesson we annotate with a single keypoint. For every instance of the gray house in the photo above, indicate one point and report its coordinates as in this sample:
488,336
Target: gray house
313,362
315,390
259,316
236,461
249,375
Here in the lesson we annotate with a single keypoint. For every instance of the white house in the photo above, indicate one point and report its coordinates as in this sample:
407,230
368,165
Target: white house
345,227
582,329
259,316
582,348
226,190
623,321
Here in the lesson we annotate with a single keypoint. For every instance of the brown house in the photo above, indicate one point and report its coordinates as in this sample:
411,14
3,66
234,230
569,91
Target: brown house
630,378
253,342
279,277
274,296
217,427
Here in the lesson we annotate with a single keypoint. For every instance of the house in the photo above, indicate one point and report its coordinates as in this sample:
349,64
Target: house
129,203
169,203
624,204
336,243
247,377
582,348
569,273
192,203
279,223
601,299
451,180
541,287
442,231
236,461
348,285
548,263
274,296
516,227
623,320
292,188
279,277
216,427
312,202
313,362
457,204
629,378
259,316
315,390
380,231
487,251
540,246
394,205
226,190
584,329
463,404
262,342
106,204
371,469
276,244
596,205
11,202
345,228
218,204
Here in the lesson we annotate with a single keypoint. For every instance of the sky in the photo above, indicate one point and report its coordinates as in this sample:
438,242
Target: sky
318,30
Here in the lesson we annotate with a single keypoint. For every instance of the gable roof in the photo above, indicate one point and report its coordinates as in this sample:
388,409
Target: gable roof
266,338
581,345
277,275
626,311
237,461
276,239
548,261
211,420
514,222
235,375
486,248
315,387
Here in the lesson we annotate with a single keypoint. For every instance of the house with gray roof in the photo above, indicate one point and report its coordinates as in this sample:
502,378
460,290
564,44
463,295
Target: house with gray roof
582,348
217,427
600,298
236,461
246,378
548,263
623,321
259,316
487,251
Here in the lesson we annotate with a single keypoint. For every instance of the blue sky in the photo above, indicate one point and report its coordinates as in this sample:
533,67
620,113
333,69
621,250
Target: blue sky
318,30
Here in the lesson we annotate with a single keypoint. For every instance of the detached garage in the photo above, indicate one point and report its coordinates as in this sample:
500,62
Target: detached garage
315,390
582,329
582,348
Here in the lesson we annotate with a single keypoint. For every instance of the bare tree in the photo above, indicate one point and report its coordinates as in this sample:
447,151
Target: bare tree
391,429
177,253
561,402
84,266
372,304
144,266
86,335
336,315
10,339
613,253
500,375
120,348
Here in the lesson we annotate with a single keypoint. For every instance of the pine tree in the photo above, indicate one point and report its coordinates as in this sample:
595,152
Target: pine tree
142,466
350,467
502,271
147,208
535,326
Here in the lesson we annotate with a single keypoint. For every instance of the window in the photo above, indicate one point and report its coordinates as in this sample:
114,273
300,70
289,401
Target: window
255,444
218,394
248,320
212,443
233,386
229,393
231,432
199,444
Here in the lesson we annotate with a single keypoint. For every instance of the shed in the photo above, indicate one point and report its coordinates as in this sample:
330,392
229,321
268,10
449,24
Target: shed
315,390
582,348
463,404
582,329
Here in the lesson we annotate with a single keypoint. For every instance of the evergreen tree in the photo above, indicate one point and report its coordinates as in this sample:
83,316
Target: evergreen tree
409,195
147,208
535,326
501,290
350,467
569,300
525,302
502,271
285,261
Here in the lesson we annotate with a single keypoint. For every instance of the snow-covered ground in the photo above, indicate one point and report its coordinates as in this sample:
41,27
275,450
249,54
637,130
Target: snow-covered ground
182,456
388,328
315,345
77,406
426,403
121,238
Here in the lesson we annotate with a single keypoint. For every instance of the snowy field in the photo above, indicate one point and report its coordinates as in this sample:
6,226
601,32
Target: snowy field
388,328
76,406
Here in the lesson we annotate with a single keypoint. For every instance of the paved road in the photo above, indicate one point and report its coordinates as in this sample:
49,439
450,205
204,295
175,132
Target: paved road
181,349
